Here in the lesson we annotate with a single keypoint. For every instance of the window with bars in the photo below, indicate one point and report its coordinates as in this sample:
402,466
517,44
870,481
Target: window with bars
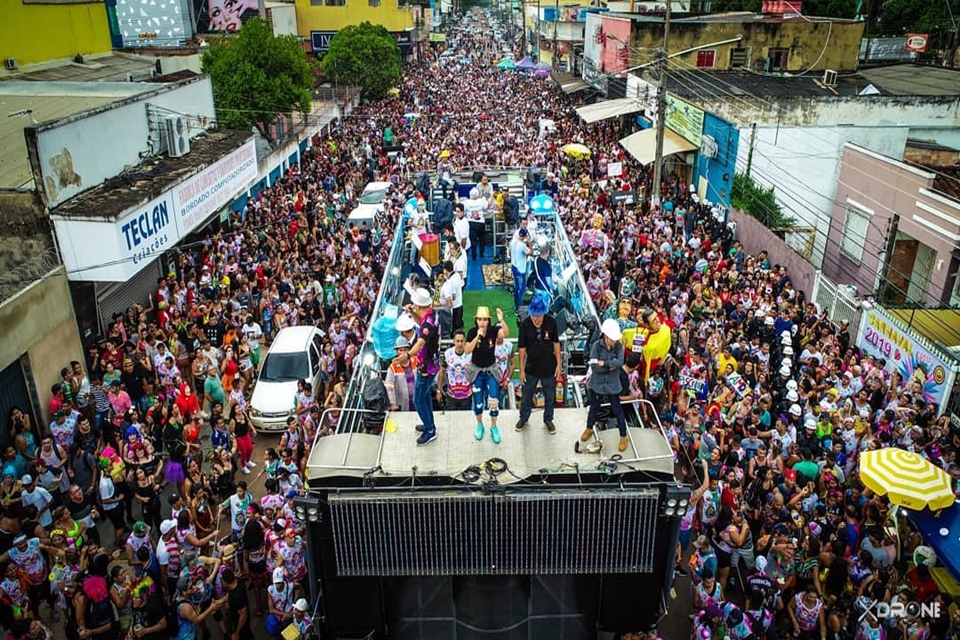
738,57
854,233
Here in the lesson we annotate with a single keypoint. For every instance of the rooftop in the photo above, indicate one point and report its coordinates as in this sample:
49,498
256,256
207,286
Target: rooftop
947,180
149,179
737,17
707,85
931,145
914,80
24,103
108,67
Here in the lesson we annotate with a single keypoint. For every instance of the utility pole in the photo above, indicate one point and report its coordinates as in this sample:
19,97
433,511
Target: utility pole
556,21
662,60
753,137
538,30
523,29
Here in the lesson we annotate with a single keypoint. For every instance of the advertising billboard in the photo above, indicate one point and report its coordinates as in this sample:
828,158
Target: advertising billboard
882,336
223,16
685,119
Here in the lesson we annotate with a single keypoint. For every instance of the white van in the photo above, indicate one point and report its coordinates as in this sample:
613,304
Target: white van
293,355
371,201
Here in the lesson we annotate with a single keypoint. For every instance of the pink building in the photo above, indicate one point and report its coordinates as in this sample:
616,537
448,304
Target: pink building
895,230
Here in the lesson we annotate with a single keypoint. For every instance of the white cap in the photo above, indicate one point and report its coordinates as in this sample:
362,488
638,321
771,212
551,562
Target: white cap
786,334
167,526
793,396
421,298
768,321
301,605
795,410
785,340
278,575
810,423
787,350
405,323
611,329
792,385
785,370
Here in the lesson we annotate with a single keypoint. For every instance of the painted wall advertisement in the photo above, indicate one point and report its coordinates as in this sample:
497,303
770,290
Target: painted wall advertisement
143,233
883,337
153,23
219,16
685,119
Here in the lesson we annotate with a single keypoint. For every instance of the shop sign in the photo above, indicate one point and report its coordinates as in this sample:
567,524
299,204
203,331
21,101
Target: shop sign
148,230
320,40
685,119
882,337
917,42
202,195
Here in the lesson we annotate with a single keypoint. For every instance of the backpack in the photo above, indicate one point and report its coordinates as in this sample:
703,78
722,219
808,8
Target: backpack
101,613
511,210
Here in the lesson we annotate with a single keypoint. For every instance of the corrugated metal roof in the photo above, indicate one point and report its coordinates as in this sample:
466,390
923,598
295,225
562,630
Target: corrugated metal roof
915,80
23,103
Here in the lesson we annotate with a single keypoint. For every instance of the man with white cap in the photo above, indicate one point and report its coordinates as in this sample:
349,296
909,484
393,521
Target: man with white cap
300,617
475,208
606,358
34,495
280,599
426,347
168,555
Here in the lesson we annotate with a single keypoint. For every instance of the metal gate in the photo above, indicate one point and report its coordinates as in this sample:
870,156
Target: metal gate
114,297
14,393
837,300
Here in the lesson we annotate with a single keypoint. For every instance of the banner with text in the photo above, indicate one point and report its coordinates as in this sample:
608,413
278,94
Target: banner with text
881,336
199,197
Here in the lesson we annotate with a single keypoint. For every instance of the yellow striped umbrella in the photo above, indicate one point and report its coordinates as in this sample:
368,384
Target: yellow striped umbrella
906,478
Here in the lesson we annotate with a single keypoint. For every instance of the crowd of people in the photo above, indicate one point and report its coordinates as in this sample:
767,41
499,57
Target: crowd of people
111,514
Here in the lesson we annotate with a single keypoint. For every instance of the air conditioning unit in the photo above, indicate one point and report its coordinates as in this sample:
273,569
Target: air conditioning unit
176,135
10,64
709,147
830,78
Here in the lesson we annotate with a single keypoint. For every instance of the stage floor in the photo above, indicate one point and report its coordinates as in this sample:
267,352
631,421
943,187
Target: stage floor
528,454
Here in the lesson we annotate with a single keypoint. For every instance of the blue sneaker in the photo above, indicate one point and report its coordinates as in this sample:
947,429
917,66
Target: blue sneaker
479,434
426,438
495,434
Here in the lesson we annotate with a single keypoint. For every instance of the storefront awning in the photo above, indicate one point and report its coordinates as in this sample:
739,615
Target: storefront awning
573,87
608,109
642,145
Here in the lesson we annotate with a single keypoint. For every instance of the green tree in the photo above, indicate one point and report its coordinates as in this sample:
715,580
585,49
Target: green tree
364,55
256,76
758,202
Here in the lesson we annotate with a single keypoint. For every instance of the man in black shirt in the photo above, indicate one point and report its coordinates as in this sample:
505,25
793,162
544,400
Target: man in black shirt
239,618
149,615
540,361
481,342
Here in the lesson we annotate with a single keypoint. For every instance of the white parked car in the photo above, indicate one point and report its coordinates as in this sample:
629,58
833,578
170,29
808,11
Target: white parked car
294,355
371,201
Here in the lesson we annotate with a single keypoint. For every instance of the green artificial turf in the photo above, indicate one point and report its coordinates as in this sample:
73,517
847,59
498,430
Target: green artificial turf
492,297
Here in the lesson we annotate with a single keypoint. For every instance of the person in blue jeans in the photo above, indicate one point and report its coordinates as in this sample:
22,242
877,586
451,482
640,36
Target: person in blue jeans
426,347
481,343
540,362
520,249
606,359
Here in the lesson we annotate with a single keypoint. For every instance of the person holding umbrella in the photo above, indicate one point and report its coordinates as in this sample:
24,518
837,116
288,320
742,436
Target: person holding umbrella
606,358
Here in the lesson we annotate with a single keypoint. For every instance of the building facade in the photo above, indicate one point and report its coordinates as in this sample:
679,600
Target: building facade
893,233
319,20
68,29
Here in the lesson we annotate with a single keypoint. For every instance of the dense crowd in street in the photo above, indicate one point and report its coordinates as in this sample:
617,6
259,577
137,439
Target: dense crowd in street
113,513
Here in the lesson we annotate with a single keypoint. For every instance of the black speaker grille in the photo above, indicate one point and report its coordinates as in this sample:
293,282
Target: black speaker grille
433,534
